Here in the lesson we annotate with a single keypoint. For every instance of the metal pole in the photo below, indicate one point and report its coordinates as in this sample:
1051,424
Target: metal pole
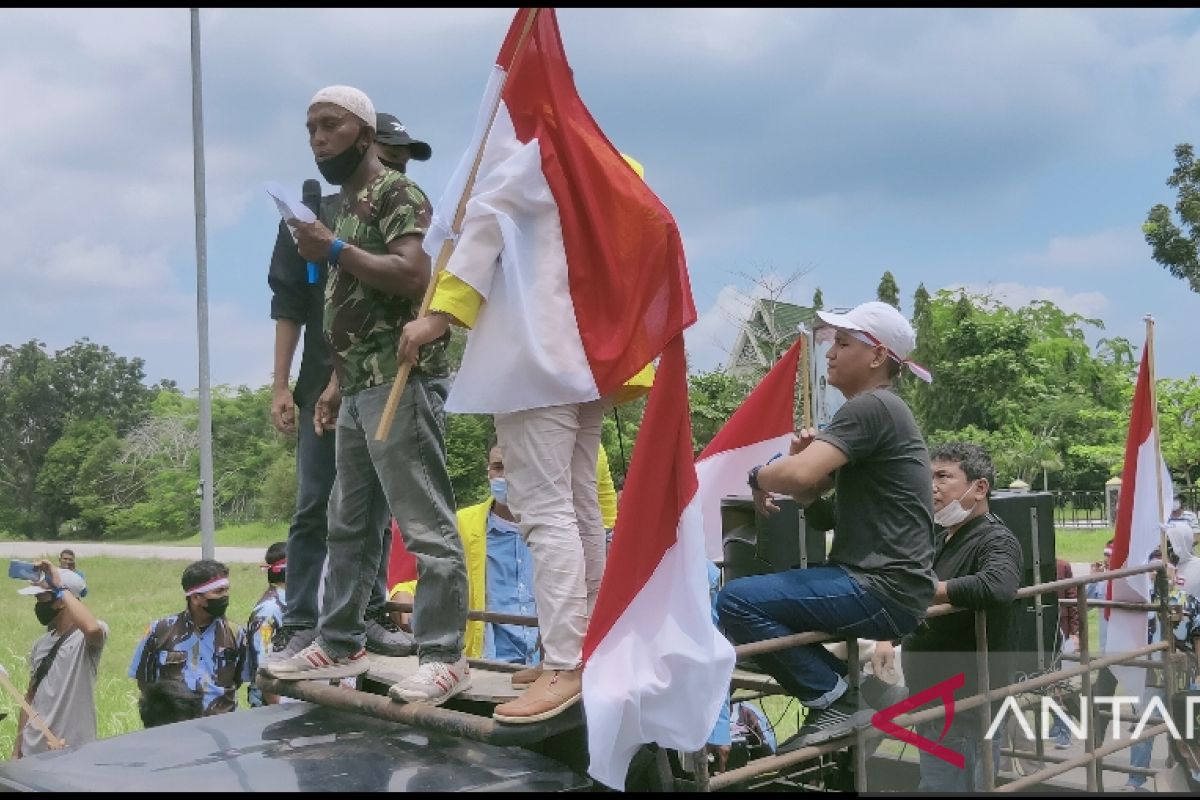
207,536
1085,660
983,672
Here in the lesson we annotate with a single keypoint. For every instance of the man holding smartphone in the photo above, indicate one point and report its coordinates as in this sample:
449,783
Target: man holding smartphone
62,662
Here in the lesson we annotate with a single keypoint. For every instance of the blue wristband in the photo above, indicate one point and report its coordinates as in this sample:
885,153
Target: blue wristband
335,251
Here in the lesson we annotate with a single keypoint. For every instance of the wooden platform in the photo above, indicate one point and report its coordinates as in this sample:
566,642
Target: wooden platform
487,685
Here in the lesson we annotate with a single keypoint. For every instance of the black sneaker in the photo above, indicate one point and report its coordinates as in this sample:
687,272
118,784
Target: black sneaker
386,638
879,694
841,717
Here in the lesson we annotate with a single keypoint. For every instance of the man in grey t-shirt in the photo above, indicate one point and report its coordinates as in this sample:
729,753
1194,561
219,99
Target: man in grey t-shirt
62,690
879,578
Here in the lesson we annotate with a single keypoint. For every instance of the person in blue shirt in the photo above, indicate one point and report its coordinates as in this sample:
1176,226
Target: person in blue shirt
265,624
198,646
66,560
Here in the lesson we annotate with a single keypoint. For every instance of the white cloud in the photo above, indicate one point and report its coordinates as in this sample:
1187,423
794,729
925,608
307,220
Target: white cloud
1113,248
1016,295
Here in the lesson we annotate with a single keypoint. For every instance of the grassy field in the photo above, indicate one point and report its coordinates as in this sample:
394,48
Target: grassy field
127,594
1081,544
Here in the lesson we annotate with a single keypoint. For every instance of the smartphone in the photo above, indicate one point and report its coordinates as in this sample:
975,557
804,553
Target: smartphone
24,570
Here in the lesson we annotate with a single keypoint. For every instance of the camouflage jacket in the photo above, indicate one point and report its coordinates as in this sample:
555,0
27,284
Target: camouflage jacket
212,663
363,324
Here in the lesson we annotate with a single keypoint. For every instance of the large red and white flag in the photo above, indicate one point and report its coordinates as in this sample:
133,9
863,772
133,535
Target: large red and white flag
656,669
1141,511
580,264
761,427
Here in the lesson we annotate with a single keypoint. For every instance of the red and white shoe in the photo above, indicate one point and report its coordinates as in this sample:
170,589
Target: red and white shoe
313,663
433,684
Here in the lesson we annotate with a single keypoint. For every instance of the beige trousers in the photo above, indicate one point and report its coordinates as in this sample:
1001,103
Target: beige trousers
550,466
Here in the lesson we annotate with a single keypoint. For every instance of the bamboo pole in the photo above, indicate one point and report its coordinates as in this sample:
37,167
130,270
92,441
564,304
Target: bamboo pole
31,715
402,373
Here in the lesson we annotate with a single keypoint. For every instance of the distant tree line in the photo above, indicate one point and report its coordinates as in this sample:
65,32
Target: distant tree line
88,449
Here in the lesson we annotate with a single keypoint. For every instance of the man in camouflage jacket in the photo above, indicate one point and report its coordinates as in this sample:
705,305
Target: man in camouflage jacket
378,276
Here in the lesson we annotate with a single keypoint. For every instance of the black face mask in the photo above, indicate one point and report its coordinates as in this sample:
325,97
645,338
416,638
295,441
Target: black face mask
338,169
216,606
45,612
396,165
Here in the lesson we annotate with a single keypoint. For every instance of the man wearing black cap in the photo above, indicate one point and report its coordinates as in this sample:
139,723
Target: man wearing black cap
395,146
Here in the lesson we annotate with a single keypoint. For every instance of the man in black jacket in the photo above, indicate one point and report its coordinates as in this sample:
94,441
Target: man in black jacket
978,566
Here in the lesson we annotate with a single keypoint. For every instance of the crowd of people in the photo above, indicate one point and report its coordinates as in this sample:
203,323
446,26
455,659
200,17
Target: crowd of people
913,527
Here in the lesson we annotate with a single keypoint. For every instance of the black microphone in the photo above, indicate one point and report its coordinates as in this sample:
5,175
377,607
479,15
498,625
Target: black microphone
310,195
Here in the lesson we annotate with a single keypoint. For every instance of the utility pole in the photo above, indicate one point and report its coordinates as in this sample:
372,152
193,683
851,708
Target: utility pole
207,533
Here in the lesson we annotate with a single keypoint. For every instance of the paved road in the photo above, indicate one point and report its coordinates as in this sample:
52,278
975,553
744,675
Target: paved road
83,550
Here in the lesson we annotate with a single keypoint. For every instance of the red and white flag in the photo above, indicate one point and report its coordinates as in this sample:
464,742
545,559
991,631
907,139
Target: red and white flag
761,427
656,669
580,265
1141,511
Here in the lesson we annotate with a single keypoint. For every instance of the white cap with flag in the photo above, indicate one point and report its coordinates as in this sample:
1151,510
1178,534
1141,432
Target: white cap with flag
883,325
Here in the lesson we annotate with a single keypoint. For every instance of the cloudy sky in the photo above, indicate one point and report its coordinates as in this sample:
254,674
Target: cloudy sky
1012,151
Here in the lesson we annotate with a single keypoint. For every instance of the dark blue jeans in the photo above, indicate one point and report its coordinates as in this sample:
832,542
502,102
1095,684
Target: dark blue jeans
306,541
306,547
941,776
822,598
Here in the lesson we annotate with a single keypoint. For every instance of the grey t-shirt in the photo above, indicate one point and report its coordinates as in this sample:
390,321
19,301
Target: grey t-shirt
66,697
884,503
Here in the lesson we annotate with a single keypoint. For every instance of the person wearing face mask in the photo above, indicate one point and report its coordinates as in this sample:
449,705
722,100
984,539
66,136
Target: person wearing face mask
395,146
62,663
377,280
199,646
298,306
977,561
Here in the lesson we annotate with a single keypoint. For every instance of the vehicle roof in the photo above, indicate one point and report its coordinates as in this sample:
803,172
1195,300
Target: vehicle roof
293,746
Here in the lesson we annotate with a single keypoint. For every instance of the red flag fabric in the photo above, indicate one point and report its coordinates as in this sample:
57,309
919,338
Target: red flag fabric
761,427
656,669
579,265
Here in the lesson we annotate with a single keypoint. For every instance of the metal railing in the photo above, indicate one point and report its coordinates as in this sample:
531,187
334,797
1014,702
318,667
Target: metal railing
1091,761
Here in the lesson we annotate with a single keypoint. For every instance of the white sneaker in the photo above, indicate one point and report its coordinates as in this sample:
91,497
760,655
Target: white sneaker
433,684
313,662
287,643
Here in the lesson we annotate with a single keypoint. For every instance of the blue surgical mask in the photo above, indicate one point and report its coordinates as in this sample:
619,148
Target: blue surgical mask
499,490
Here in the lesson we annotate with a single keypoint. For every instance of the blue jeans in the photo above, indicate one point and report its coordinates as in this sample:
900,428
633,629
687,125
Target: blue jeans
306,547
1140,753
821,598
406,476
941,776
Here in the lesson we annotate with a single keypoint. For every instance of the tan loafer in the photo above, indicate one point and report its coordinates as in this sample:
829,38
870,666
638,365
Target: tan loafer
551,694
524,677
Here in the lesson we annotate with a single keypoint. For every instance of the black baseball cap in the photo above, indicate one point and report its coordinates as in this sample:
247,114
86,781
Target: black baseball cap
389,130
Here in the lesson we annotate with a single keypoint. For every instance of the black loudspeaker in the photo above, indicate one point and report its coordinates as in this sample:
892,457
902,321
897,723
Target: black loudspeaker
1030,515
756,545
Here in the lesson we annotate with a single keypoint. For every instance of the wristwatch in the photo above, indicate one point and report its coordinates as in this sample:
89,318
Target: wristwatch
752,479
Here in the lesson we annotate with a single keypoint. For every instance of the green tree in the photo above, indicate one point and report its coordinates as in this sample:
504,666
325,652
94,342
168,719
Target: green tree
713,396
467,437
1173,246
58,480
887,291
40,396
1179,426
818,301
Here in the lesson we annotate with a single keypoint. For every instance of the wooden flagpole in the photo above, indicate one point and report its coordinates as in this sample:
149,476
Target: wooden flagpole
393,401
1158,485
31,716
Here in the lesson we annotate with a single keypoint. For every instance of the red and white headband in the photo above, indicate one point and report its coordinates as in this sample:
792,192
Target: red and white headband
205,588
